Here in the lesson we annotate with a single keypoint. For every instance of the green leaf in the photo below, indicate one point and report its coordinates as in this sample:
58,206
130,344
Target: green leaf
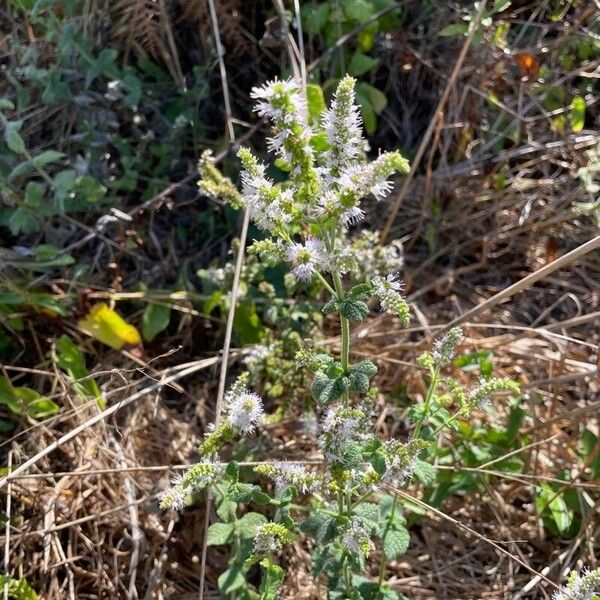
12,137
219,534
326,389
396,542
425,472
353,310
377,97
272,581
47,157
25,400
71,360
358,10
316,102
322,527
368,514
18,589
550,499
454,29
500,5
314,19
249,523
6,104
231,580
361,64
155,319
577,115
368,114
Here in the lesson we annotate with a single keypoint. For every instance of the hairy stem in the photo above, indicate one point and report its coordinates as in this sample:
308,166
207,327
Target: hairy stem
385,532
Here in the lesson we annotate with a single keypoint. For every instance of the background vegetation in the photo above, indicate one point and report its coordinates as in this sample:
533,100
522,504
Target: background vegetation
115,272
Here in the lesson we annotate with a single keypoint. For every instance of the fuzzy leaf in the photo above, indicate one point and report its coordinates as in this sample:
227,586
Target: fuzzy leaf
248,524
425,472
219,534
331,306
325,389
320,526
354,310
396,542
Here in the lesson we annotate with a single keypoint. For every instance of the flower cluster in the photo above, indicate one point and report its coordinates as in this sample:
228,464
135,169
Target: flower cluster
287,474
343,428
271,537
357,540
325,186
197,477
244,410
388,291
584,586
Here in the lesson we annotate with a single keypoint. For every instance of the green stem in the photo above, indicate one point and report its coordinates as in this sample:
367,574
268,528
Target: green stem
326,284
428,399
345,325
385,532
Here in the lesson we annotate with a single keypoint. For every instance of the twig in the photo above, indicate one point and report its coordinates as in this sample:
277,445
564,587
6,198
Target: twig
231,313
432,124
7,531
524,283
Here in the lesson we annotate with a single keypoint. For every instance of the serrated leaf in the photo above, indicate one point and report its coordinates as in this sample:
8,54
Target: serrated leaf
219,534
322,527
396,542
368,514
231,580
425,472
353,310
249,523
155,319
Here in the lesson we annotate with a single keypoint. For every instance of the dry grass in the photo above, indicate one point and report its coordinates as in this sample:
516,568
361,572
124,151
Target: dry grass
85,521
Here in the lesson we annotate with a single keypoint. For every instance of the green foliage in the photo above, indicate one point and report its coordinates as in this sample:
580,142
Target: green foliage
18,589
22,400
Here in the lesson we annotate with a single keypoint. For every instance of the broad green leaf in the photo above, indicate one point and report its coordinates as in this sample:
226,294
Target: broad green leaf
24,220
46,157
361,64
396,542
549,499
231,580
155,319
25,400
249,523
219,534
377,97
108,327
6,104
454,29
71,359
322,527
577,116
12,137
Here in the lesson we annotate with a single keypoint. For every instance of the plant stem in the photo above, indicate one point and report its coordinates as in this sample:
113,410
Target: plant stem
345,325
387,528
428,399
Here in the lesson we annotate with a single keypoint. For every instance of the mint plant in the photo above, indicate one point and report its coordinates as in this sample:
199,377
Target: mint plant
353,511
